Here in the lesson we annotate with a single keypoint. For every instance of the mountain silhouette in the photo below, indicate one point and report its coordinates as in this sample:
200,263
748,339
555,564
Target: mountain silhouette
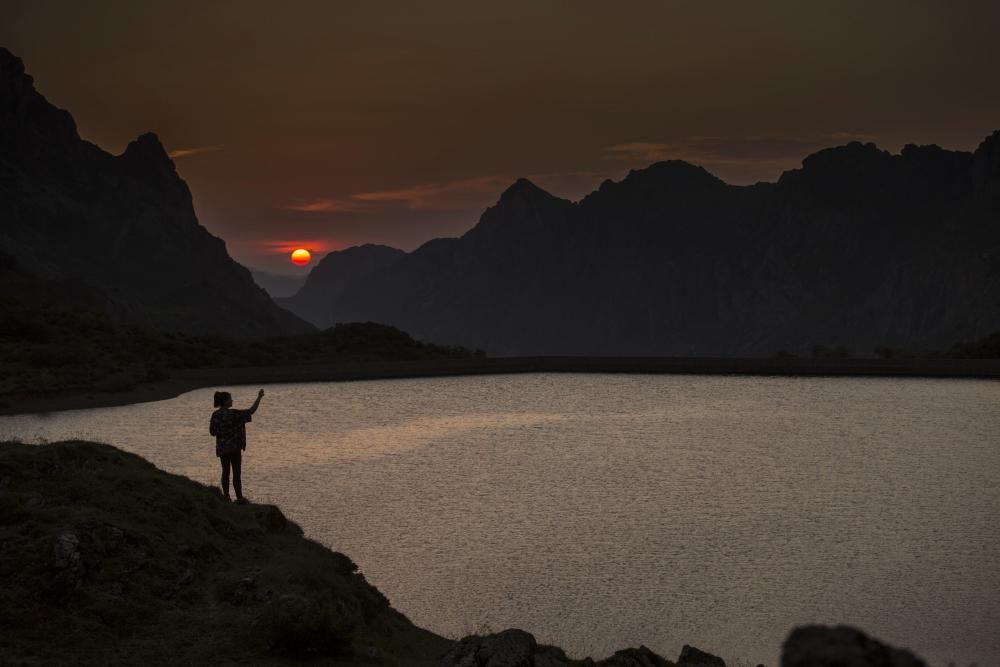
858,248
118,232
330,277
278,284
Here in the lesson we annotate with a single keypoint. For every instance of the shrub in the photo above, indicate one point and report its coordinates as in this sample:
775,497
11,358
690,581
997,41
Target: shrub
296,627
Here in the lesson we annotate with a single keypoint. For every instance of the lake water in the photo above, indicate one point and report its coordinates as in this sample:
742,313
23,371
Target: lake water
603,511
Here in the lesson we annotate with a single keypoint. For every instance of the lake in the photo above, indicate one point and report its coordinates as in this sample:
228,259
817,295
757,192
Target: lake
603,511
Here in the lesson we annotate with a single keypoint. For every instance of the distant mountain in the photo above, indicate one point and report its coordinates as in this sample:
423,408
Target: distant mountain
336,273
858,248
278,284
116,231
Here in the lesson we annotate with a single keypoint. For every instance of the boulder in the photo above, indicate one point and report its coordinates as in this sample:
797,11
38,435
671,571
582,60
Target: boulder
517,648
66,552
510,648
635,657
841,646
694,657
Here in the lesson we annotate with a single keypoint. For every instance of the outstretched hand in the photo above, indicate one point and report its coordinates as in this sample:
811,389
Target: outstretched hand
256,404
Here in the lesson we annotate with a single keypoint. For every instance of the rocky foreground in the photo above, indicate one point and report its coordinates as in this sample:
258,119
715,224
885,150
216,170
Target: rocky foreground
104,559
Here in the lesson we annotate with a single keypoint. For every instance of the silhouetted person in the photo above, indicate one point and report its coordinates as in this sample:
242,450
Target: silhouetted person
229,428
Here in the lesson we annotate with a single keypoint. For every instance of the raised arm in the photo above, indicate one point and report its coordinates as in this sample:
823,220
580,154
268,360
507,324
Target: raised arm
256,404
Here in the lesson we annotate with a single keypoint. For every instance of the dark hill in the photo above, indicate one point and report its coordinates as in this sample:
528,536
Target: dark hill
859,248
116,232
107,560
332,276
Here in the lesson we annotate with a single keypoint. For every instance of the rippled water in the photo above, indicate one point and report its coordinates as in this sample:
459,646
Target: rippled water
600,511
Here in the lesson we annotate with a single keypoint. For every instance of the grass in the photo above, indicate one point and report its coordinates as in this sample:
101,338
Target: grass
46,349
106,559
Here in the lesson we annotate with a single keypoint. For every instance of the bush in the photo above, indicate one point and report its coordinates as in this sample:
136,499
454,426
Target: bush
296,627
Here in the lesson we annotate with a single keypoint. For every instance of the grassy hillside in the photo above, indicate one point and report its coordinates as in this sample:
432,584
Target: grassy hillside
105,559
53,348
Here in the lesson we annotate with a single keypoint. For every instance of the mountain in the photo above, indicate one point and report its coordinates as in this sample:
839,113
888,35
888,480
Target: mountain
278,284
858,248
115,231
333,275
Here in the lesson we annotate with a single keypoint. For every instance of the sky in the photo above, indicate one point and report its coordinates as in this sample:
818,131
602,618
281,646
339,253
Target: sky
330,124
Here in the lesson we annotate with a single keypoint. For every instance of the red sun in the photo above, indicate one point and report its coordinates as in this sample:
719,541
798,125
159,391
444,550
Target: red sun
301,257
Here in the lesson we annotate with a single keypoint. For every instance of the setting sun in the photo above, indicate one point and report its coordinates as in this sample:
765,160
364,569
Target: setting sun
301,257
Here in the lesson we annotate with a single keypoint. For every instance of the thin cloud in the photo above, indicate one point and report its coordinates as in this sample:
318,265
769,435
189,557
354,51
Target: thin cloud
285,247
188,152
325,206
440,196
463,194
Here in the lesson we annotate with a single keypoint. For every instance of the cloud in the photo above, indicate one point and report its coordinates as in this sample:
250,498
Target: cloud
188,152
285,247
448,196
325,206
451,195
743,158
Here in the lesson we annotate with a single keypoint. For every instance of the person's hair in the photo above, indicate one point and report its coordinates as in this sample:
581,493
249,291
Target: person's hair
221,397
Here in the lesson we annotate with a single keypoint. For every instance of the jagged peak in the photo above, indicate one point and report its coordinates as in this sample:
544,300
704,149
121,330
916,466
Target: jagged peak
146,146
147,152
852,152
23,110
11,67
522,187
986,159
671,170
990,146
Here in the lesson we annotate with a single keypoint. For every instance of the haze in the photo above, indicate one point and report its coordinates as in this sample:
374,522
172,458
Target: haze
325,125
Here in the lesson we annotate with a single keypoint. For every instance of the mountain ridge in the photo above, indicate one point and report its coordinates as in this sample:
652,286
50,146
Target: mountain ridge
120,228
858,247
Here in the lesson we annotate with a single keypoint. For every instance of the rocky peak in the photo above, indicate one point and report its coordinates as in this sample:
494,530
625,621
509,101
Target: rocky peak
986,162
24,111
840,158
521,208
15,85
521,190
146,154
671,171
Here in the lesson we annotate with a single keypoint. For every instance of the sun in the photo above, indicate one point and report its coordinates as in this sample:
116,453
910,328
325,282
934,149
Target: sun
301,257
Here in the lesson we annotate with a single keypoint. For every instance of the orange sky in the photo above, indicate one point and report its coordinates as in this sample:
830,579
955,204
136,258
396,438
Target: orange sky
337,123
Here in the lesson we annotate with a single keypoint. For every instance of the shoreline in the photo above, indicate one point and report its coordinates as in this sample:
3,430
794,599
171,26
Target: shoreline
185,380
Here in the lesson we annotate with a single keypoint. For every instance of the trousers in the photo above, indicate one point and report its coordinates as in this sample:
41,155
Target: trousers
232,462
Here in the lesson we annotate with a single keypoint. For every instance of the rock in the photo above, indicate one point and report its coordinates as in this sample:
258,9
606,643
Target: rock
510,648
517,648
635,657
550,656
841,646
373,652
245,590
66,552
697,658
106,539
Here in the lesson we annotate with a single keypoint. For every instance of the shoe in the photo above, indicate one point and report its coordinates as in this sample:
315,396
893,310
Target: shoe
242,501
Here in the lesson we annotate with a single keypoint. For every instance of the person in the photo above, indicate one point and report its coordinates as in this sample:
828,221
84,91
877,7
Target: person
229,428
